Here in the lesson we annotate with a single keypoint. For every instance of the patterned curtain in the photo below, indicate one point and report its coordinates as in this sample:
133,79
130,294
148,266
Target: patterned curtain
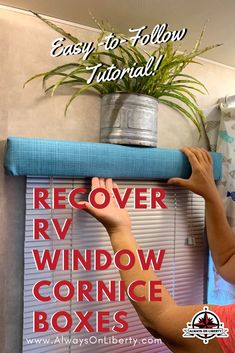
220,130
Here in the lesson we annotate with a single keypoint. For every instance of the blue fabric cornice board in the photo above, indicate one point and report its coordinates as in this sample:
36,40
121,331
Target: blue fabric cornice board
41,157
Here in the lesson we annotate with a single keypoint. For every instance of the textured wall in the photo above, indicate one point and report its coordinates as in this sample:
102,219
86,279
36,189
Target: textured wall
25,45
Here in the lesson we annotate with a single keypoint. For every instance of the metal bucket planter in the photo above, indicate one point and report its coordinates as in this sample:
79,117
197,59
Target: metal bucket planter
129,119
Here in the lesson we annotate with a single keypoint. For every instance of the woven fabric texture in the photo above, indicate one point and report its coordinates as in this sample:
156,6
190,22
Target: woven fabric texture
41,157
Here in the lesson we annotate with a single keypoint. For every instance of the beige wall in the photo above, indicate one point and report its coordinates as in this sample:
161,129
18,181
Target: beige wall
25,46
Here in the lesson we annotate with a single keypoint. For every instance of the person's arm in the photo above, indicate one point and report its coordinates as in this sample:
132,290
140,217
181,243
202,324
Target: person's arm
220,236
163,319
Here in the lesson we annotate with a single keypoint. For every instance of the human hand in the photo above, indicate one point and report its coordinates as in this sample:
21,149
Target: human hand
201,180
113,218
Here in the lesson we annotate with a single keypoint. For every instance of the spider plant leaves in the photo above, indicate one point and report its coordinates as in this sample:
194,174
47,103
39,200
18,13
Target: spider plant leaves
179,89
74,74
181,110
180,97
33,77
202,117
58,29
193,80
52,72
198,42
79,92
75,82
111,56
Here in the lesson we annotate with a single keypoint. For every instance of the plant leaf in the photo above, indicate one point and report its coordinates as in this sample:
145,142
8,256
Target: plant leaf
57,29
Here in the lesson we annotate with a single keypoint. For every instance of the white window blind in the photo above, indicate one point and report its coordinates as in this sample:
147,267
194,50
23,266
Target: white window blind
179,230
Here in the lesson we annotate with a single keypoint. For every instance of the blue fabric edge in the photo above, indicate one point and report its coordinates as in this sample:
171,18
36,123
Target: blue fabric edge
23,157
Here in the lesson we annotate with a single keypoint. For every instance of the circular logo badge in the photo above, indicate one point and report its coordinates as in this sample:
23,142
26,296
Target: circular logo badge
205,325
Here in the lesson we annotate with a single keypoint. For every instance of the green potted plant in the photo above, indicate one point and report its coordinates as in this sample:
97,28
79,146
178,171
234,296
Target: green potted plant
129,105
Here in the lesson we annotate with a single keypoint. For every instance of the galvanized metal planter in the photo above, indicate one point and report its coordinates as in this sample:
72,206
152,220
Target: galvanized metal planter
129,119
